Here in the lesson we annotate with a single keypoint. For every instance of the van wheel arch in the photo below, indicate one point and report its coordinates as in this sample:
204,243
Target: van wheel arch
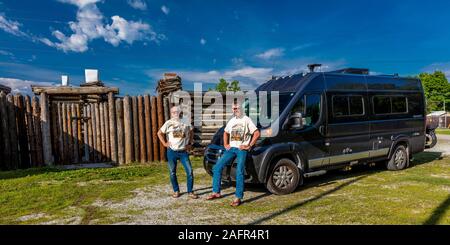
401,146
284,177
403,142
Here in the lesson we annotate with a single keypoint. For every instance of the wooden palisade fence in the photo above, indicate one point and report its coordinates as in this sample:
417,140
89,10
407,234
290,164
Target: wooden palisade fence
37,132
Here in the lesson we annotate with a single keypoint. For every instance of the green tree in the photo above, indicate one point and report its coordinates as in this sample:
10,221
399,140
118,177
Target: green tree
224,86
234,86
436,88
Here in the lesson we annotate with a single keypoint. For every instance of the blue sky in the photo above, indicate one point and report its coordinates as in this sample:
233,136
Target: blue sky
133,42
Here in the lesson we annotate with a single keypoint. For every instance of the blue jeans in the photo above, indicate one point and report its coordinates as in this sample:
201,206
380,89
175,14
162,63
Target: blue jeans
227,159
172,159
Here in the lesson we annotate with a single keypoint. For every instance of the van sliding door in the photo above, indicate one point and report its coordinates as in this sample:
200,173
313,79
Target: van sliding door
348,131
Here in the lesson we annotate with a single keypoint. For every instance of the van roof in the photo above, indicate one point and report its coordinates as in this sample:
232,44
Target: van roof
292,83
284,84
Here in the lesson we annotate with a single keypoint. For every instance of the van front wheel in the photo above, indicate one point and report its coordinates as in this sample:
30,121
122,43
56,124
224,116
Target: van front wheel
284,177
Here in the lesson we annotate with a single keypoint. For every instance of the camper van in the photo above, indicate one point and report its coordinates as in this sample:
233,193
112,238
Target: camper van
332,120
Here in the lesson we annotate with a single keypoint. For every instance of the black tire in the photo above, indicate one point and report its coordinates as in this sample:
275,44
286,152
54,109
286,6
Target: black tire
430,139
284,177
399,159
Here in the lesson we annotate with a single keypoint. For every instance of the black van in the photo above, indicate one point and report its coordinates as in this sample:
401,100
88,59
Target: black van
331,120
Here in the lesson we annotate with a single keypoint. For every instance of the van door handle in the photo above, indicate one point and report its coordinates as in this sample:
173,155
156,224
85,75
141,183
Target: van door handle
322,129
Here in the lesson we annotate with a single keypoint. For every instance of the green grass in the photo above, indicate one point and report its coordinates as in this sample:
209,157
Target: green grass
61,192
417,195
443,131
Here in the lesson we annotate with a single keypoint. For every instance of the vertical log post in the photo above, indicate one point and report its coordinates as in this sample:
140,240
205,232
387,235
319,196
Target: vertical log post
5,139
65,156
112,127
120,132
135,128
70,134
162,149
54,131
45,124
37,130
90,133
155,130
142,136
78,110
148,128
86,134
98,148
102,131
61,133
107,134
74,121
94,133
22,131
30,130
128,129
14,164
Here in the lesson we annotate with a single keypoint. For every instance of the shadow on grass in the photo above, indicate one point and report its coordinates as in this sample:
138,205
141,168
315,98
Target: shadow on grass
438,213
299,204
425,157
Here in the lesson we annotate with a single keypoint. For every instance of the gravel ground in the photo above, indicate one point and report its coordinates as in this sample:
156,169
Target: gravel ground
154,205
442,146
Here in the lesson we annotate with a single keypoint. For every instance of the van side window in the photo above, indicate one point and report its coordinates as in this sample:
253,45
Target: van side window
382,105
344,106
390,104
310,106
399,104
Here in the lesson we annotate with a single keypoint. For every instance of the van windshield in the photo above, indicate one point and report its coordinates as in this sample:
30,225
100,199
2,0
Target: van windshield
283,100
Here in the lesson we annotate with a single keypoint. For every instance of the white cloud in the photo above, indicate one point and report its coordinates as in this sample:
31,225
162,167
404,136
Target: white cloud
257,74
6,53
303,46
138,4
271,53
250,77
202,41
80,3
11,27
90,25
237,61
444,67
247,75
22,86
165,9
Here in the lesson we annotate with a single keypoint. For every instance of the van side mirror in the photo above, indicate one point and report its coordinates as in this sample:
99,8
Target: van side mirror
296,121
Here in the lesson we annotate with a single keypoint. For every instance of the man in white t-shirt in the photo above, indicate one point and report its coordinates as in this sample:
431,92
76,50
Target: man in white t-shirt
239,136
178,137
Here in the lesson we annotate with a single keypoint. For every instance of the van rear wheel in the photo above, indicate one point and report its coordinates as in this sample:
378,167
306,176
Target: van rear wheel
284,177
399,159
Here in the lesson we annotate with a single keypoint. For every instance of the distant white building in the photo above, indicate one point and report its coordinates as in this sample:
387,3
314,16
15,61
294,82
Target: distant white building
439,118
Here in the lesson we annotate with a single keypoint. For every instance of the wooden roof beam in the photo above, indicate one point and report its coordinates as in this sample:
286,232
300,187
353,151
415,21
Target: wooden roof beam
74,90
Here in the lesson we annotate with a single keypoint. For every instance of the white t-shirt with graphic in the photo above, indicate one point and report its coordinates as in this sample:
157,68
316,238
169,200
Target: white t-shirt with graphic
177,134
240,130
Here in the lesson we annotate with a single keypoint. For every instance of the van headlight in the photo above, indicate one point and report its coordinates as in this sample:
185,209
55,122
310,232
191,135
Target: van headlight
266,133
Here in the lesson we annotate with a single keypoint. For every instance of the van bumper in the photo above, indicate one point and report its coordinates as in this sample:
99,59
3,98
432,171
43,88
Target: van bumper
212,155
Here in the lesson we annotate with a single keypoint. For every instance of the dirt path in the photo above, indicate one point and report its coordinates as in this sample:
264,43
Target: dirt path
442,146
